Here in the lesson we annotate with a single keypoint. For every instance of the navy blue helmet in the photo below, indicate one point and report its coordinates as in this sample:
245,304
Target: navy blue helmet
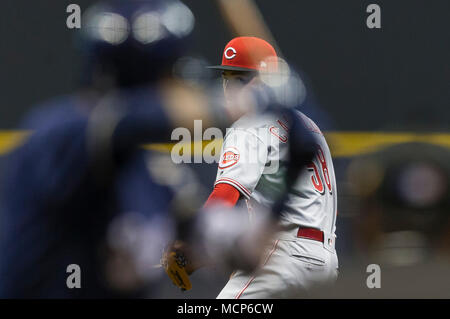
134,41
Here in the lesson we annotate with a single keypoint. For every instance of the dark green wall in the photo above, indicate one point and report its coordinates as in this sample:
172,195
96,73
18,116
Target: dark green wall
396,78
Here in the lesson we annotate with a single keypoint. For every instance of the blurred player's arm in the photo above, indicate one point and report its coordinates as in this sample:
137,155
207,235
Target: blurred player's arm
114,125
77,145
243,17
116,128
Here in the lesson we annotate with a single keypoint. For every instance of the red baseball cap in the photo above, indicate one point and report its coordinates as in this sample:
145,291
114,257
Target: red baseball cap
247,54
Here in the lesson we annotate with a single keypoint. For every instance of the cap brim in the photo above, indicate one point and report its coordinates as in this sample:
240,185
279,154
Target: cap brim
230,68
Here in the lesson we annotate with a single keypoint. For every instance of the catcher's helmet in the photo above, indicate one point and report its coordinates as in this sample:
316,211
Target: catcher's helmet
134,41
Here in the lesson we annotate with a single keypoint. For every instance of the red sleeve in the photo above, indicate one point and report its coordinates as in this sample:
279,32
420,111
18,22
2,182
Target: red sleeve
224,193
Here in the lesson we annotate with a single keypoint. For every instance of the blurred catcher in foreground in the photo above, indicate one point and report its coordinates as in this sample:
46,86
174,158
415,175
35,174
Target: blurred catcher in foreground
82,192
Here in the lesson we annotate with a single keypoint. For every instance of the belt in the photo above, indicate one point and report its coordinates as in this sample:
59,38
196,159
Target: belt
310,233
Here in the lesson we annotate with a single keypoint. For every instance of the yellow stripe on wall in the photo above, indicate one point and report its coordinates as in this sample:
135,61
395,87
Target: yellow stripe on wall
10,140
342,144
345,144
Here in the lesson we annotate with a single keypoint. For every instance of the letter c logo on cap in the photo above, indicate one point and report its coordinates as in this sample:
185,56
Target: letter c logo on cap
229,57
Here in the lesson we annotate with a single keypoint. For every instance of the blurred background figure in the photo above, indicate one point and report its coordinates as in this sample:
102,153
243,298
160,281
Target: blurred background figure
403,225
84,209
79,192
405,197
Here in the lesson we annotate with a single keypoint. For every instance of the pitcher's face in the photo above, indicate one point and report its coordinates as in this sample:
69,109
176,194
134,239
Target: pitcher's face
234,81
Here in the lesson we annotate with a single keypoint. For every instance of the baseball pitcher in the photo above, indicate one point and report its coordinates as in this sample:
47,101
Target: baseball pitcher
251,171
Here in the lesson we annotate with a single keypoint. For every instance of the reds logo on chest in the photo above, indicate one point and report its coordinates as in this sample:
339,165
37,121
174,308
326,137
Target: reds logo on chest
229,157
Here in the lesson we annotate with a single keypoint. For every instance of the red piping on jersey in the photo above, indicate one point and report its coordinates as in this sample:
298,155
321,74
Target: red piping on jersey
224,194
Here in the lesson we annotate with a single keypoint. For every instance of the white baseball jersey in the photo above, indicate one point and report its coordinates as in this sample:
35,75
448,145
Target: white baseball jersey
253,160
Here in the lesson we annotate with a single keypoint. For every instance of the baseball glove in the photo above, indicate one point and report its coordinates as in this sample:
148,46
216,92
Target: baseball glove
177,266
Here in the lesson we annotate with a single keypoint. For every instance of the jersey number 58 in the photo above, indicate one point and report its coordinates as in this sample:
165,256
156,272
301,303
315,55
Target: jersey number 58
317,180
